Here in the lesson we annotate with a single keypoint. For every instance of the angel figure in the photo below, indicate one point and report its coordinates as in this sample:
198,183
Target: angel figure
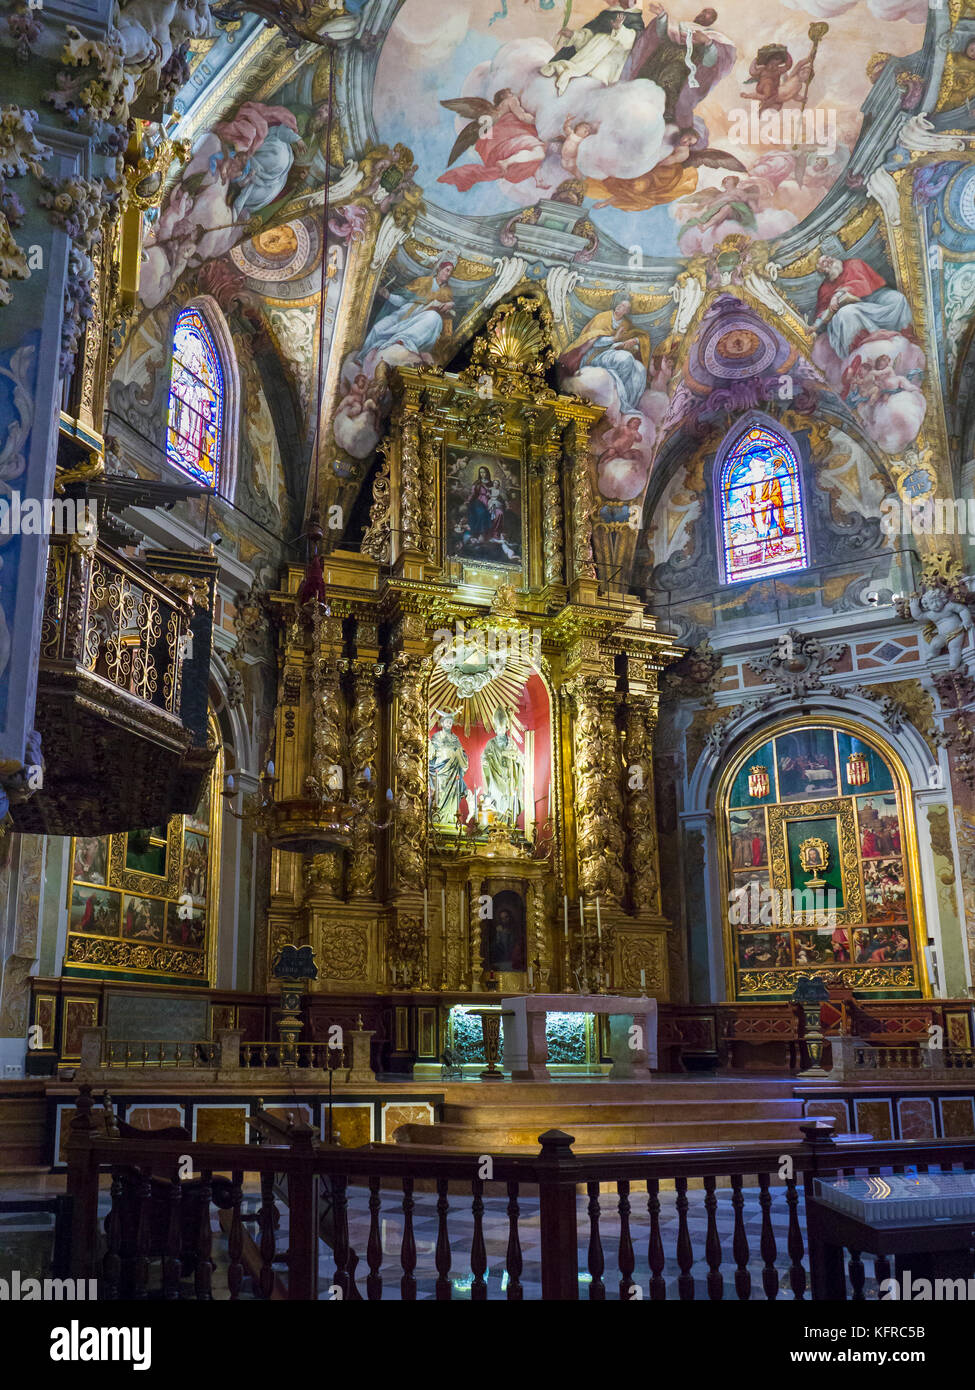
502,132
669,178
768,72
947,624
573,134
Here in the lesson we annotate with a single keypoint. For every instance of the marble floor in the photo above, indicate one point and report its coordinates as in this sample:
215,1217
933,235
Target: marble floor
27,1238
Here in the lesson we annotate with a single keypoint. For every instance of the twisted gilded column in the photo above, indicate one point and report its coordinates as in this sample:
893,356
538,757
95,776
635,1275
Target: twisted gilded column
583,505
429,470
324,872
410,493
598,796
642,856
376,540
363,750
553,550
409,763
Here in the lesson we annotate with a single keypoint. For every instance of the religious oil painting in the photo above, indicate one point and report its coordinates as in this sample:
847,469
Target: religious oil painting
95,911
142,918
806,761
200,819
761,950
78,1015
185,926
883,886
91,859
503,933
195,861
881,945
749,848
483,505
880,831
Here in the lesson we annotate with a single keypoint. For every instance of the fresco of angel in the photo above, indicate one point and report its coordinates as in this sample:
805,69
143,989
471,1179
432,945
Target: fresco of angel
504,136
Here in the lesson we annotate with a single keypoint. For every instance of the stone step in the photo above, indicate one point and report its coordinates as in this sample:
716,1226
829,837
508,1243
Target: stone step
559,1092
640,1111
599,1138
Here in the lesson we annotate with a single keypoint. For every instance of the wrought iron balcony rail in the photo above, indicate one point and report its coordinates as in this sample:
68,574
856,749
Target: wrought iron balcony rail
106,614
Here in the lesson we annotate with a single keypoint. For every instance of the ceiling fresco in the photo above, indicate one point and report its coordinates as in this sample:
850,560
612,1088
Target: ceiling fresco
679,127
730,208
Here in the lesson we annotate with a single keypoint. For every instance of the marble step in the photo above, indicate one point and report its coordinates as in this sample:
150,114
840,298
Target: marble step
601,1137
619,1112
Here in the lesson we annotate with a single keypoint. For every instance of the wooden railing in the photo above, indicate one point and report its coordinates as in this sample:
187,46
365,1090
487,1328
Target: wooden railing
154,1215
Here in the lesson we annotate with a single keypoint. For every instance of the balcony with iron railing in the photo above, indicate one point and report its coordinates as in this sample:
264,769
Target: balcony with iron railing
119,640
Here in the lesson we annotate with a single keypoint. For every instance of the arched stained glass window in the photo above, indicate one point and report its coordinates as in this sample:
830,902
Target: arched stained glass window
193,430
762,525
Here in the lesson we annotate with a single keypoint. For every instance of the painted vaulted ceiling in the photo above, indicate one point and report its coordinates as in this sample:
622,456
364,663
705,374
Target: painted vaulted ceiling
689,189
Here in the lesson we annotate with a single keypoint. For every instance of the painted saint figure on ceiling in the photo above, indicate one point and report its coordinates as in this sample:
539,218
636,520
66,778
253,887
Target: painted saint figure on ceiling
611,342
598,49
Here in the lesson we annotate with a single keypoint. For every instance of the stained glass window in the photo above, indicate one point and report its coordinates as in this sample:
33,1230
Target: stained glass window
195,400
762,525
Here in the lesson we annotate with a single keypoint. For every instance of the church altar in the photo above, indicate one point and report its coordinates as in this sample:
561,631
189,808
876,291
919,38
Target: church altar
526,1048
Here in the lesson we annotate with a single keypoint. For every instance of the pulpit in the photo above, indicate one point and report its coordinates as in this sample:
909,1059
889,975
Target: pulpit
526,1048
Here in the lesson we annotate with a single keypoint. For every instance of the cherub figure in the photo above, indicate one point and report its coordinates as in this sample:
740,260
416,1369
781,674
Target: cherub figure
574,132
947,624
772,87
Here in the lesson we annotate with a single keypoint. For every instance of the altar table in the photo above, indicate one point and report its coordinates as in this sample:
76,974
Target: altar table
526,1049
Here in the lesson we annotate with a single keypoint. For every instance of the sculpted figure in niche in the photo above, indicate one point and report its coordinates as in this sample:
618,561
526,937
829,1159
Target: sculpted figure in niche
501,765
448,763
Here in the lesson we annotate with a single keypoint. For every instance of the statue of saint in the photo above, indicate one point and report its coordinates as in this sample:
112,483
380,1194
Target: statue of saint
501,766
448,763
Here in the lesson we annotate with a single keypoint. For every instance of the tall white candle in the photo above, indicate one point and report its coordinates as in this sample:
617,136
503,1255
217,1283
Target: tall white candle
582,923
599,922
531,978
643,979
426,914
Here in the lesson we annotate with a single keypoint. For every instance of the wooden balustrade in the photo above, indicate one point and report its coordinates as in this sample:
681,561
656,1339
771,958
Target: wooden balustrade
124,1255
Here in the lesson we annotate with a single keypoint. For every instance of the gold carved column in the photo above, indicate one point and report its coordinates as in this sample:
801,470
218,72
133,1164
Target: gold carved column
409,766
583,506
324,872
408,504
598,795
642,855
363,757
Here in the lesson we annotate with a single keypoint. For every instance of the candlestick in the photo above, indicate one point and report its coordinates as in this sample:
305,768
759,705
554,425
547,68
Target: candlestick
443,938
582,922
565,912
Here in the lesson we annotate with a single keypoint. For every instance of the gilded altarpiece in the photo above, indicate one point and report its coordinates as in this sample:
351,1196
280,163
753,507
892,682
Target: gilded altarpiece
486,706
